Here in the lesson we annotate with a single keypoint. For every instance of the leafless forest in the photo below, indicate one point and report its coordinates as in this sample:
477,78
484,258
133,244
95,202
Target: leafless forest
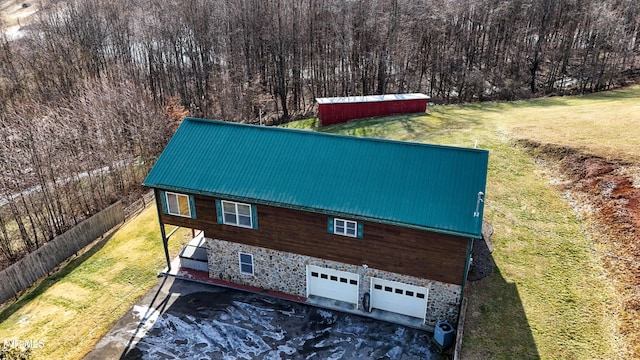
91,90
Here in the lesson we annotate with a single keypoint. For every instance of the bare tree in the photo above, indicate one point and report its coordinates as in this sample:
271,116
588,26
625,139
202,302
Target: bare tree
105,83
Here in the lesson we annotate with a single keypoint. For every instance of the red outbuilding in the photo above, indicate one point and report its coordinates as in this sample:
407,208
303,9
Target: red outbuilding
334,110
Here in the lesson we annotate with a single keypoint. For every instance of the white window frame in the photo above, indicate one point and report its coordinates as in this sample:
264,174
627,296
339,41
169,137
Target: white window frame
245,263
344,227
177,195
236,214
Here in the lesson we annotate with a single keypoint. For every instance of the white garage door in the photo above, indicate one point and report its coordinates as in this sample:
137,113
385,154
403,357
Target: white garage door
333,284
399,297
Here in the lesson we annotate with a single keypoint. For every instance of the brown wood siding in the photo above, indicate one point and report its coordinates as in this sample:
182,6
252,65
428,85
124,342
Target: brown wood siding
391,248
178,220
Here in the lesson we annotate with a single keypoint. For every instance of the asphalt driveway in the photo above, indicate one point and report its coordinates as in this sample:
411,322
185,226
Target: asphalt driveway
179,319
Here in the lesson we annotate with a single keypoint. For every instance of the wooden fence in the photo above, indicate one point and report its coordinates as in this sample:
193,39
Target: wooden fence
24,273
137,206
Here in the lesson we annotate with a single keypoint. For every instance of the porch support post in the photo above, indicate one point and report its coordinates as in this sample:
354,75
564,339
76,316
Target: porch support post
165,243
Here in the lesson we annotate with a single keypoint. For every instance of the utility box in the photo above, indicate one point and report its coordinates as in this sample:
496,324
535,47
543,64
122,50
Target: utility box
444,334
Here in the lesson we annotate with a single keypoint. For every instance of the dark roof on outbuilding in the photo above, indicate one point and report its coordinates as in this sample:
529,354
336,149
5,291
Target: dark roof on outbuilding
416,185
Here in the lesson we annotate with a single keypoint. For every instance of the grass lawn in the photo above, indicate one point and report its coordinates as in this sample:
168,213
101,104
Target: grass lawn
606,124
70,311
549,296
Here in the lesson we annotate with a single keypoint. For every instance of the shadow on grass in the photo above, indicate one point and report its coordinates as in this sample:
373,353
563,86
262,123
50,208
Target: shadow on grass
543,102
406,127
496,325
369,127
50,280
501,106
631,92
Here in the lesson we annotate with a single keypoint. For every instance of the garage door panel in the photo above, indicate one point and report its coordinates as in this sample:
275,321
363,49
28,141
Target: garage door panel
333,284
399,297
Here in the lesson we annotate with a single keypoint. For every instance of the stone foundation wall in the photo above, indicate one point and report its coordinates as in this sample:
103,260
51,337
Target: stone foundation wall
286,273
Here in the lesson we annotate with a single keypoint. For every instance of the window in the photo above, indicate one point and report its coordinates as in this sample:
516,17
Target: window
237,214
178,204
246,264
345,227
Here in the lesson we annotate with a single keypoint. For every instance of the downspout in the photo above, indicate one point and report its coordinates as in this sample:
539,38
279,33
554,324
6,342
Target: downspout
477,216
466,270
467,262
464,278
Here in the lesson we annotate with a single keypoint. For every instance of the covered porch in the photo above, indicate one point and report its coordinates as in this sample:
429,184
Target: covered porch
193,256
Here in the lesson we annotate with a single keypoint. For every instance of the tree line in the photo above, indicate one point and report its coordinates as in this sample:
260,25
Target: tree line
232,58
91,90
64,162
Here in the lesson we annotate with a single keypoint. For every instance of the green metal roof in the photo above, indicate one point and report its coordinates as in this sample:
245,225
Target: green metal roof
408,184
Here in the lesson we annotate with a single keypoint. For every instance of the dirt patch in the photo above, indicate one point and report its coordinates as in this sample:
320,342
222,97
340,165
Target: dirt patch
482,264
606,193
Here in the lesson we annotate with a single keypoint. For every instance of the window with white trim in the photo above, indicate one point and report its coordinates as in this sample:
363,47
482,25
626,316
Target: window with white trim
237,214
178,204
345,227
246,263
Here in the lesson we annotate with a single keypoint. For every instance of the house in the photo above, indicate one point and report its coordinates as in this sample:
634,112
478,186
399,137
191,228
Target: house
379,225
334,110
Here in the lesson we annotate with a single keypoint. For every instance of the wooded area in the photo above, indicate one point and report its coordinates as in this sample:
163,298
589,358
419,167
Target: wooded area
91,90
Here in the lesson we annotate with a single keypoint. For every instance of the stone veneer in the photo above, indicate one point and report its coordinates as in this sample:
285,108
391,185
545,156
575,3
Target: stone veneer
286,273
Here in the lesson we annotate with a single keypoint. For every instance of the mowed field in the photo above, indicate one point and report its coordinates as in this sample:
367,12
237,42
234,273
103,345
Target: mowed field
69,312
551,294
